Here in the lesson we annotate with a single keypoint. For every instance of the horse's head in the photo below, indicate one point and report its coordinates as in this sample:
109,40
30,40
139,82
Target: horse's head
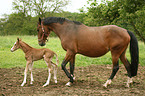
16,45
43,32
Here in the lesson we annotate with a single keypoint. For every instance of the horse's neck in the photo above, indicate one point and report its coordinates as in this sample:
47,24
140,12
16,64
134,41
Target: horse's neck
25,47
60,30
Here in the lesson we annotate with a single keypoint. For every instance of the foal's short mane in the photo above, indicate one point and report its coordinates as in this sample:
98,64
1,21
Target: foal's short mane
60,20
25,44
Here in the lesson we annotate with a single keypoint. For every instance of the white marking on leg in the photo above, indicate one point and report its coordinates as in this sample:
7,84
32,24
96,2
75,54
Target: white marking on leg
108,82
129,80
68,84
48,81
24,81
55,74
73,77
31,78
30,68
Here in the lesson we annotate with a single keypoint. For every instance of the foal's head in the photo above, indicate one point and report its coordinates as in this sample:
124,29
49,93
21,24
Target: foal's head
16,45
43,32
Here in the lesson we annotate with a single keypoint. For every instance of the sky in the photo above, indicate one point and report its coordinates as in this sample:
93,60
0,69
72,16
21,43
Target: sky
6,6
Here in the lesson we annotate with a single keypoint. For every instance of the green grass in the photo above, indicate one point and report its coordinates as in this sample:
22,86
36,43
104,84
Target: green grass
10,59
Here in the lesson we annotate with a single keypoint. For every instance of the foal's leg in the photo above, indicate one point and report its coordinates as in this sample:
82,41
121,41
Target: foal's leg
48,62
127,66
25,72
55,71
114,69
30,69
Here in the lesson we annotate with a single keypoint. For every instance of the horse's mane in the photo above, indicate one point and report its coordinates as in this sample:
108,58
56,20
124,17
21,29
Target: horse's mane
60,20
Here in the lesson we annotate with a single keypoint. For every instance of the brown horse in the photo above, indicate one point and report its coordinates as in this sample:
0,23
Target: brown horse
33,54
77,38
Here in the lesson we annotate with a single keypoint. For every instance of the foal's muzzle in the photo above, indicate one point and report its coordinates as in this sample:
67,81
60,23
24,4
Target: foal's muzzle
12,50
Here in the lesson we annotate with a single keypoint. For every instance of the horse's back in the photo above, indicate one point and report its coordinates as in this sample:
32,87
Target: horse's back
97,41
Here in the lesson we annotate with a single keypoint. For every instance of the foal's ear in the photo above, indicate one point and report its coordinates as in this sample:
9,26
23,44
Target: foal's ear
39,20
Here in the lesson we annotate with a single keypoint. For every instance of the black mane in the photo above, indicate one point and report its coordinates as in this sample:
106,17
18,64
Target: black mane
60,20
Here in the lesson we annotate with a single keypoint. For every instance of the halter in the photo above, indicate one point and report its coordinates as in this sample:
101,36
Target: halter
44,33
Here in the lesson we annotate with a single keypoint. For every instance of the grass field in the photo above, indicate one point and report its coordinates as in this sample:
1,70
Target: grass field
10,59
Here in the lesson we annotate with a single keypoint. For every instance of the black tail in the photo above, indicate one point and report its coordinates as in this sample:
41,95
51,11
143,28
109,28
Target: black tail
134,52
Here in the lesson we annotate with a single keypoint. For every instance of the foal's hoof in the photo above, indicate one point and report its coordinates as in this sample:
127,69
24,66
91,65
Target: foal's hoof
68,84
104,86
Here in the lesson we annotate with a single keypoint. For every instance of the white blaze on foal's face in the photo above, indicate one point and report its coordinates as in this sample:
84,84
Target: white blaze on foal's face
14,47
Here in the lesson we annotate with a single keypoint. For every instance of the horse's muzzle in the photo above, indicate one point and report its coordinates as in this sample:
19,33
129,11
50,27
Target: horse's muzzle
41,44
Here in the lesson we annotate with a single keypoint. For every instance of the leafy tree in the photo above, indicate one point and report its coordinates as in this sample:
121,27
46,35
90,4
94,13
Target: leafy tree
38,7
23,6
133,11
12,24
128,14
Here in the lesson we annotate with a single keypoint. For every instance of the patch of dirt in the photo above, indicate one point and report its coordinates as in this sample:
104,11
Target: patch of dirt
89,81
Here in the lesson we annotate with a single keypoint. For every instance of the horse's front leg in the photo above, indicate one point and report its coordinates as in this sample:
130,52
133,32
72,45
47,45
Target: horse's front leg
69,57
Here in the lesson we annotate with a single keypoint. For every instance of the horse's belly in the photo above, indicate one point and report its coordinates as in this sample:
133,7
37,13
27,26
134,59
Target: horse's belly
93,52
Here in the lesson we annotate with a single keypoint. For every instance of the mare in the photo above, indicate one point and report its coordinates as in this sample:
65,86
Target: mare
33,54
77,38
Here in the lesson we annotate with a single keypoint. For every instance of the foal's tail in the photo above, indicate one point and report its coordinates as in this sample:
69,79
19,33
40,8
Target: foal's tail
57,61
134,52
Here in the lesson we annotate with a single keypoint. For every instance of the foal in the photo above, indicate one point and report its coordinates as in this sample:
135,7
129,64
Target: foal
32,54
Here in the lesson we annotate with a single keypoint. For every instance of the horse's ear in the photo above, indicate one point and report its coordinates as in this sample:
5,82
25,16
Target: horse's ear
18,39
39,20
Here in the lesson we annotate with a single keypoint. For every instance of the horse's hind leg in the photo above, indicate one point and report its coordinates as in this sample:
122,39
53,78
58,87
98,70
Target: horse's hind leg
127,66
30,69
114,69
48,62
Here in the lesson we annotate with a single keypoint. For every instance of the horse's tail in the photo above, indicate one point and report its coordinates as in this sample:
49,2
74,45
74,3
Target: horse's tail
57,61
134,52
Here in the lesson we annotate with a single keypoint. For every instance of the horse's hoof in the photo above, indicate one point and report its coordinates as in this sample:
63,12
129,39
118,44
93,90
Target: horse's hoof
68,84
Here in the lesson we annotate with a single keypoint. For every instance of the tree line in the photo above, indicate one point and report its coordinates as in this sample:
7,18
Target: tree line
129,14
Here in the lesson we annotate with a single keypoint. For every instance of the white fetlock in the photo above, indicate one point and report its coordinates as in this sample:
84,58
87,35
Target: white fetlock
108,82
73,77
31,82
23,84
45,85
68,84
55,81
129,81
